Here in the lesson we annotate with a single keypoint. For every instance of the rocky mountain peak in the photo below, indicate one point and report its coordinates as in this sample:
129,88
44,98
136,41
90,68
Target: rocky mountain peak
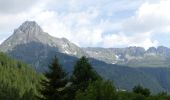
152,50
29,27
31,33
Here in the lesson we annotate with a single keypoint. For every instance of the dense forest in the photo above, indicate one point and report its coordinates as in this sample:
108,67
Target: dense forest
19,82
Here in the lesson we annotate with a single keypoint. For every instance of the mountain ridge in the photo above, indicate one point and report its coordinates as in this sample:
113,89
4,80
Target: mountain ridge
126,55
30,31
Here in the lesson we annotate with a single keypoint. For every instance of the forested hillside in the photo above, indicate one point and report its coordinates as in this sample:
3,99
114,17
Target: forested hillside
17,80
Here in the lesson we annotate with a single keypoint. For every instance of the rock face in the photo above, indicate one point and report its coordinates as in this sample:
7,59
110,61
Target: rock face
30,28
163,51
30,31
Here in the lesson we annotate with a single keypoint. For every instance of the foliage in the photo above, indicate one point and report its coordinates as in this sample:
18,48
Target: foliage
98,90
83,74
16,79
140,90
54,85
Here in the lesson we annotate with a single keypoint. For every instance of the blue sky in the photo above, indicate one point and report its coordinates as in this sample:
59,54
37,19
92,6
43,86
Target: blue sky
93,23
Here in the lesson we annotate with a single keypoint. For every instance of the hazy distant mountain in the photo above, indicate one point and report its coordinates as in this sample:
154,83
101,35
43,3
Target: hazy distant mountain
132,56
30,44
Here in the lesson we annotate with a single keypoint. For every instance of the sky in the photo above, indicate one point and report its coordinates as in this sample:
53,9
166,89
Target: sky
93,23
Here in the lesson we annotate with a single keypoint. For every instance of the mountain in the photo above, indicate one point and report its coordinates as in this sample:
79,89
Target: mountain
30,44
132,56
30,31
34,46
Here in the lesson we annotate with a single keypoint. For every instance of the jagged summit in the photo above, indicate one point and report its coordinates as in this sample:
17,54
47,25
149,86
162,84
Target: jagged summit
29,27
27,32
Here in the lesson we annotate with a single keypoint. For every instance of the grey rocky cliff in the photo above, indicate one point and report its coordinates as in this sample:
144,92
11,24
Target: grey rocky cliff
30,31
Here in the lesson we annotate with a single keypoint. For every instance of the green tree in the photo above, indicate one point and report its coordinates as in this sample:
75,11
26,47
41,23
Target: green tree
55,82
83,74
98,90
140,90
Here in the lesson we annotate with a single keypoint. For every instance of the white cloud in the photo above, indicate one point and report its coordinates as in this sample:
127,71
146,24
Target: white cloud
15,6
82,29
79,27
141,39
146,43
90,23
150,17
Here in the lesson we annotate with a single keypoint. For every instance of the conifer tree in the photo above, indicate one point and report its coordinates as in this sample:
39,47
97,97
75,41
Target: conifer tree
54,86
83,74
140,90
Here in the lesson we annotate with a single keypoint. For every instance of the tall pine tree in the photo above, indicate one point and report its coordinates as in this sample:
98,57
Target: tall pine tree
83,74
54,86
